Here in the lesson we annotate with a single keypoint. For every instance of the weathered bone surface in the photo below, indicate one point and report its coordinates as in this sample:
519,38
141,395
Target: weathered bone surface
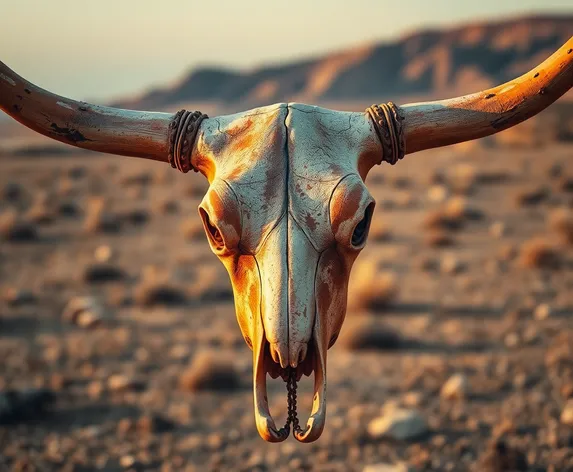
287,211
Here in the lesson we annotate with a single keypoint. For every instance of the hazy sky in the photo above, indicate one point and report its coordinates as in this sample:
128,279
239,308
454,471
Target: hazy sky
104,48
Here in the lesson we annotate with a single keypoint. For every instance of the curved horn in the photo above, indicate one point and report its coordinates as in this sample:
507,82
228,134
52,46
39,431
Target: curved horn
105,129
428,125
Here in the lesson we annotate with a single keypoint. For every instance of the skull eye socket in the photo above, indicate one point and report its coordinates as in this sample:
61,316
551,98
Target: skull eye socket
360,232
212,231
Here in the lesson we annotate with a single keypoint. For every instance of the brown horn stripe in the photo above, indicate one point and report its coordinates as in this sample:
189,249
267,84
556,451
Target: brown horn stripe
183,131
388,125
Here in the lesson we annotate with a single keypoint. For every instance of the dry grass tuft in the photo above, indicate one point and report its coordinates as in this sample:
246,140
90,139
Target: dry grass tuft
370,289
539,254
561,221
208,372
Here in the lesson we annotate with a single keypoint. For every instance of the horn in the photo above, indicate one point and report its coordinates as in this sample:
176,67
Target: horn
418,126
151,135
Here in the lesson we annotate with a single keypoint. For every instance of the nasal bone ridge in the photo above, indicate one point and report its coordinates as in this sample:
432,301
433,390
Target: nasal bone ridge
288,354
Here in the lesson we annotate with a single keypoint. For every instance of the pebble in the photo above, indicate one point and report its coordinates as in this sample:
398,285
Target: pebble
399,467
450,264
86,312
542,312
154,423
120,383
103,253
437,193
567,413
456,387
398,423
497,229
17,297
512,340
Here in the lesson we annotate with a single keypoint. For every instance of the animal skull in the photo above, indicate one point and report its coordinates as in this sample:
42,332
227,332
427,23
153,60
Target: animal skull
287,211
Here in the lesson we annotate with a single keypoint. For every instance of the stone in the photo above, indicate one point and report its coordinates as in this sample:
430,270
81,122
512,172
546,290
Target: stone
17,297
102,272
437,193
154,423
542,312
19,405
455,388
497,229
382,467
450,264
86,312
567,413
103,253
121,383
398,423
208,372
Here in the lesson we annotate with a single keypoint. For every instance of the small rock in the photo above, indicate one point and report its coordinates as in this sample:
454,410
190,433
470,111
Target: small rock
413,399
127,462
103,253
154,423
158,293
399,467
455,388
531,197
450,264
121,383
125,426
209,372
103,272
542,312
95,389
18,297
501,458
512,340
12,192
399,424
437,193
567,413
136,217
69,209
368,335
497,229
59,382
86,312
438,239
20,405
15,228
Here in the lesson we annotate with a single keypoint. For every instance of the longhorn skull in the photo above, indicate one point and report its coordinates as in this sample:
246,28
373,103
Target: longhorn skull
287,210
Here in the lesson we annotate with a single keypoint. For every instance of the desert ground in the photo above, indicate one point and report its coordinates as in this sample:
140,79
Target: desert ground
120,350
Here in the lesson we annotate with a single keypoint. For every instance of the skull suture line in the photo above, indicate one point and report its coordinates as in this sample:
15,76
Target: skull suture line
287,211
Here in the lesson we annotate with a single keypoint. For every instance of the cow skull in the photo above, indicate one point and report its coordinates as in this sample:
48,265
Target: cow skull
287,210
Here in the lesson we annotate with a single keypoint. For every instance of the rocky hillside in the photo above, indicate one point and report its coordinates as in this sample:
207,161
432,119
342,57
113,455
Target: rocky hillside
422,64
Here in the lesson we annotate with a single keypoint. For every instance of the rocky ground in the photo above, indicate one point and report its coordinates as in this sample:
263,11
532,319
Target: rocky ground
120,349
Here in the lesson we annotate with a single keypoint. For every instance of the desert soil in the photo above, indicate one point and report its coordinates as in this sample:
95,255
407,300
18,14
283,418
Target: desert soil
468,274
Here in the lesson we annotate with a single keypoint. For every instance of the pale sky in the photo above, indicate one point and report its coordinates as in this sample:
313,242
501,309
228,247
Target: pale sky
99,49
